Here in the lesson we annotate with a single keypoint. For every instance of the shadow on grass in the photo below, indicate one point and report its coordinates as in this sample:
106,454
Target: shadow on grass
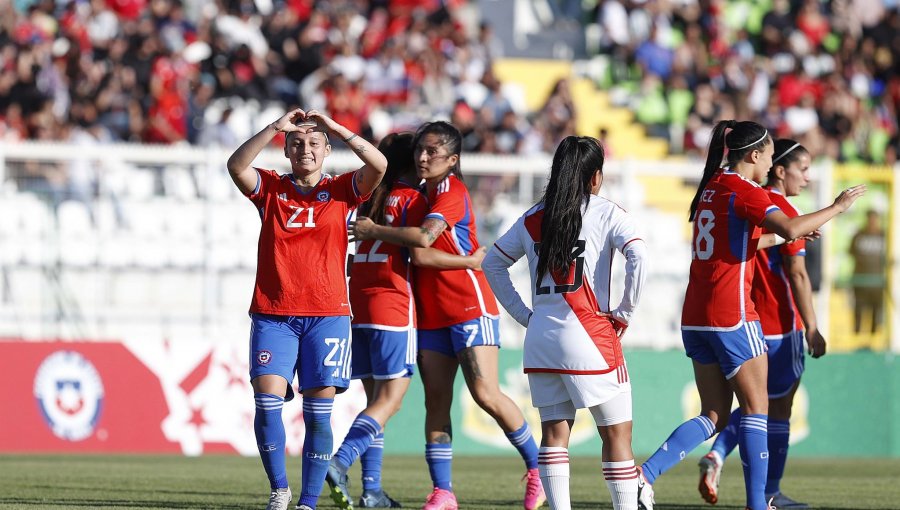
107,503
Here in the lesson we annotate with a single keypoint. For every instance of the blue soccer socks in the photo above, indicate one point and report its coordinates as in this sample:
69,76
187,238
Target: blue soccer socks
727,440
370,462
317,447
523,440
685,438
753,438
440,461
779,437
270,437
361,434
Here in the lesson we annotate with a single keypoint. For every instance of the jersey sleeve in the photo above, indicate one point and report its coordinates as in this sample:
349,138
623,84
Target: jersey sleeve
449,206
625,237
505,252
265,182
754,204
345,190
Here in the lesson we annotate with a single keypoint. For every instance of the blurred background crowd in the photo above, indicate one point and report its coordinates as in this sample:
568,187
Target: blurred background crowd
189,71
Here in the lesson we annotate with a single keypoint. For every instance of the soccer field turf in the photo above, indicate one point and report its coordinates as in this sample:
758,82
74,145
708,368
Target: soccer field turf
232,482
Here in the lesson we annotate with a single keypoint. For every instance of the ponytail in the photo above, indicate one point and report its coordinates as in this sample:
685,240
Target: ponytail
743,138
398,150
576,160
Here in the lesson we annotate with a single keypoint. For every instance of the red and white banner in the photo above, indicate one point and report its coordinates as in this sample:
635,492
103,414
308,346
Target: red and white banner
143,397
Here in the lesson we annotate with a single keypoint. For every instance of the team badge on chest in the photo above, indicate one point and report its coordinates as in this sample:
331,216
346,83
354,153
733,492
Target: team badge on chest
323,196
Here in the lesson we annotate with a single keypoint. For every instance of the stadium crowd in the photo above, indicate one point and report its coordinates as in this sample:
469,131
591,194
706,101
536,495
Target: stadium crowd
149,71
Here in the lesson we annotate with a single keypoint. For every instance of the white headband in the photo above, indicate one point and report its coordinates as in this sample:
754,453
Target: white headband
763,137
785,153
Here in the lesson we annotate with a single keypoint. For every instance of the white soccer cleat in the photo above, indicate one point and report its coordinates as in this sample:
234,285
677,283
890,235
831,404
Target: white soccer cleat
279,499
645,492
710,473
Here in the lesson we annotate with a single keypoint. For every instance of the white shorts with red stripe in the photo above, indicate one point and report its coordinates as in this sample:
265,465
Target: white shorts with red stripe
579,390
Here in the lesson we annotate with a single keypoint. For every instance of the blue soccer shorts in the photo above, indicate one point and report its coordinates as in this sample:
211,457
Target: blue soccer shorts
450,340
730,349
786,362
317,349
383,354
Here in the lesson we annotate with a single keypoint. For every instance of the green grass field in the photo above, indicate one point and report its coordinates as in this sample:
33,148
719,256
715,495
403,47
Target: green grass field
231,482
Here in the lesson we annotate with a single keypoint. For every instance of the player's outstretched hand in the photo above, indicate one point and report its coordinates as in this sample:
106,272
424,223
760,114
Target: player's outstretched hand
812,236
361,229
816,343
848,196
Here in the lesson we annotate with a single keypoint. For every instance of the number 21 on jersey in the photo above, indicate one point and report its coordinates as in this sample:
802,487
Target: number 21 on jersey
300,214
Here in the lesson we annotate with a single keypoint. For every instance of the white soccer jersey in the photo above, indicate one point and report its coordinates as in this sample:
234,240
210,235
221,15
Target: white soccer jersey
566,333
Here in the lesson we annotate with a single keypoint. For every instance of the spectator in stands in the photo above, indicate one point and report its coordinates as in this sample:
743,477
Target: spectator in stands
868,251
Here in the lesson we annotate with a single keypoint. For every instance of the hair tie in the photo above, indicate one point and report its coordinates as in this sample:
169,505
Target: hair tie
763,137
785,153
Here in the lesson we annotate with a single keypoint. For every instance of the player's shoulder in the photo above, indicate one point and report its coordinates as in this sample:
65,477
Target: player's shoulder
451,185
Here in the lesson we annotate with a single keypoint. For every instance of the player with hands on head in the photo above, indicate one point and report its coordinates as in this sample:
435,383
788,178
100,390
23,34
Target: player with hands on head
783,297
719,323
300,311
457,314
573,354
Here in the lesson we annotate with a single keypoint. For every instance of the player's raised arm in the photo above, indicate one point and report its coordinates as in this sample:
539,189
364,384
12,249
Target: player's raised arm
375,164
423,236
792,228
239,164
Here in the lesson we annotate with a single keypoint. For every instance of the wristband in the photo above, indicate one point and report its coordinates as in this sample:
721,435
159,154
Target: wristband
778,239
351,137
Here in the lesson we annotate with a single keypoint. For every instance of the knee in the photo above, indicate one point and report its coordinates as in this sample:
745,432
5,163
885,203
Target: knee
487,398
437,402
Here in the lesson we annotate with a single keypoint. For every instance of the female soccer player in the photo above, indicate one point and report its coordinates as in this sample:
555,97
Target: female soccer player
457,314
719,323
783,297
573,356
300,311
384,335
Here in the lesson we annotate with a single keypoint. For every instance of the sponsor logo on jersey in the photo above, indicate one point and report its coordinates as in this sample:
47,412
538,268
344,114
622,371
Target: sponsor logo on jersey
69,393
323,196
263,357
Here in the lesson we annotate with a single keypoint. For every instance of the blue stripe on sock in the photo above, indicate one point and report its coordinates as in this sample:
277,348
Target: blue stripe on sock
361,434
270,437
524,443
682,441
440,462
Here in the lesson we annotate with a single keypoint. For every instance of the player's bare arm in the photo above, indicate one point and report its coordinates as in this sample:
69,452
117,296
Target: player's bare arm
374,162
801,287
239,164
417,237
792,228
439,259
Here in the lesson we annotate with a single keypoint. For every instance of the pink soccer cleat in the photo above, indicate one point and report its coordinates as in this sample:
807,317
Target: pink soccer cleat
534,491
441,499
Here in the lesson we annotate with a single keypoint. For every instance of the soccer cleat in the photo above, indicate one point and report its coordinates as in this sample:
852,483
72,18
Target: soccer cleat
279,499
534,491
339,484
441,499
645,492
304,507
710,473
377,499
781,501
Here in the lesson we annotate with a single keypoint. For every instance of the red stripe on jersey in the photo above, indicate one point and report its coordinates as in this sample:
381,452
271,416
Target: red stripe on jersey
631,241
504,253
584,303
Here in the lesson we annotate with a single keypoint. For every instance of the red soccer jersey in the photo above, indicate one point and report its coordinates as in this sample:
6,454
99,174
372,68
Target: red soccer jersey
302,252
771,292
726,232
380,288
450,296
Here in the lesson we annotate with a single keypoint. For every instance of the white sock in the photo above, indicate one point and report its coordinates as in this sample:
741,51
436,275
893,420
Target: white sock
622,481
553,465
